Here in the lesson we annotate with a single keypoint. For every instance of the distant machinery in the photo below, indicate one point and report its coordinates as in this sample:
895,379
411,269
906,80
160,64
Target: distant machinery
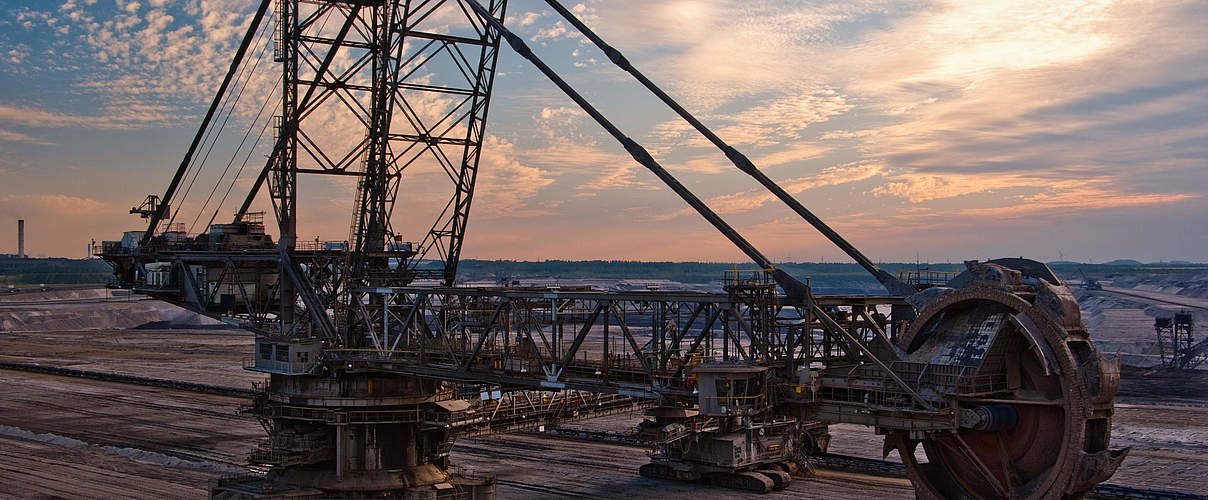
990,371
731,439
1088,282
20,238
149,207
1177,347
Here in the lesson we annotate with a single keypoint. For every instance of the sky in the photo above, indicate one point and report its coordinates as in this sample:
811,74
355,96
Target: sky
936,131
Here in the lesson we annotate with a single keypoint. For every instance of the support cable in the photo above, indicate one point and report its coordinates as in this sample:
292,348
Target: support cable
213,135
251,126
229,111
794,288
280,143
891,283
180,171
246,159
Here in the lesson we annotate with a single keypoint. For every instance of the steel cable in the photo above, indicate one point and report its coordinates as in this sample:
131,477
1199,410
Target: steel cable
229,110
247,133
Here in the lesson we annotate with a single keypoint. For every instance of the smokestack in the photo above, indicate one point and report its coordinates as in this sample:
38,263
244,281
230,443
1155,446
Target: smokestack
21,238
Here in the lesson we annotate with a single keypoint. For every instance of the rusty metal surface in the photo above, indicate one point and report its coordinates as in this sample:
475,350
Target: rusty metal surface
1060,447
991,372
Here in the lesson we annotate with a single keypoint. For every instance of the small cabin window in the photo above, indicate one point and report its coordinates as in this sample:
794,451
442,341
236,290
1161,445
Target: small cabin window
266,351
283,353
738,392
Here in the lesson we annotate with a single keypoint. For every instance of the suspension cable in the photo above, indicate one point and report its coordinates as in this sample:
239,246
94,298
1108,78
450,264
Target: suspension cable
235,154
246,159
230,110
894,285
180,171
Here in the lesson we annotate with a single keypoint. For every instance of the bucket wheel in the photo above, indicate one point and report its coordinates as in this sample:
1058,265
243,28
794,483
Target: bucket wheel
1036,418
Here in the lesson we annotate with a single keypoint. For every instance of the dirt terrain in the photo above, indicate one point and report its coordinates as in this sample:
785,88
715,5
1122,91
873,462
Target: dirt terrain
212,356
74,437
80,309
1121,315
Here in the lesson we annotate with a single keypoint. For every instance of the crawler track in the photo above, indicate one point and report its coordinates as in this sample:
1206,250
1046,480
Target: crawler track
880,467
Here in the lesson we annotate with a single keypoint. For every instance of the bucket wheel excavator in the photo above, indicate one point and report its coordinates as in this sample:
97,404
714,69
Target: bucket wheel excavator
986,385
1013,400
1045,434
1033,403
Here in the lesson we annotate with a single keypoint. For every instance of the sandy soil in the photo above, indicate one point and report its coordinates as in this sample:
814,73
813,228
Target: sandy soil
29,469
206,356
159,340
81,438
1121,316
91,309
71,437
564,469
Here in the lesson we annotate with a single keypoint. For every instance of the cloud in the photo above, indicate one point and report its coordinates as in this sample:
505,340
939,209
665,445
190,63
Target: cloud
129,116
918,189
567,143
1023,196
154,50
980,110
57,204
774,122
17,56
929,115
720,52
1046,109
751,200
506,187
782,119
554,31
10,136
560,113
526,19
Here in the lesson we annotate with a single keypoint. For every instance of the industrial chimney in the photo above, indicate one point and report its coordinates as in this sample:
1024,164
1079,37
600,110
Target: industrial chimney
21,238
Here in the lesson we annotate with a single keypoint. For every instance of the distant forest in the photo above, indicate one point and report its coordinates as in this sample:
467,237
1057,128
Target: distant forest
834,276
14,271
831,274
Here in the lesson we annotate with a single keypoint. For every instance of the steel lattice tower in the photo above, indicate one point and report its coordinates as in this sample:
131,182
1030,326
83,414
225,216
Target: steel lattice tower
416,77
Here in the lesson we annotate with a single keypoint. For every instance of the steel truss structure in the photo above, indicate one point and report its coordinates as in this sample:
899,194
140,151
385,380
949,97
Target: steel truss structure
991,371
409,116
401,45
632,343
415,78
646,344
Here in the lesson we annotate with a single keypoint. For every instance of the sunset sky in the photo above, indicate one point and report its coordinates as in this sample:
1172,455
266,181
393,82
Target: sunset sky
941,131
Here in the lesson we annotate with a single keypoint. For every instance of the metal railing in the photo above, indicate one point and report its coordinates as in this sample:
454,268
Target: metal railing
927,278
748,278
259,364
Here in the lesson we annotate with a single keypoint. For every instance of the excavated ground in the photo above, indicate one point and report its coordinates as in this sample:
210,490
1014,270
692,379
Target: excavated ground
71,437
1121,315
